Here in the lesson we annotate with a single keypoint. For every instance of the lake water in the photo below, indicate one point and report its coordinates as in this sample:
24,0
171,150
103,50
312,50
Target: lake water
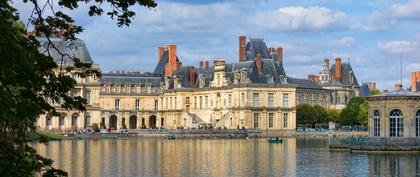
220,157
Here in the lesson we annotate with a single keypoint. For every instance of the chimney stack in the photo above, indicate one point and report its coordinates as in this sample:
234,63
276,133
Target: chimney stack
161,50
415,77
398,87
201,65
258,63
192,76
338,69
206,65
172,64
242,48
280,55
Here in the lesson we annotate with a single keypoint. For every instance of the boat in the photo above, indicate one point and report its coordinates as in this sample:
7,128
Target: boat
109,136
276,141
171,137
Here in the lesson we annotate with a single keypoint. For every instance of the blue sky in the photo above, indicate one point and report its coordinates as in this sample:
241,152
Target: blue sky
369,34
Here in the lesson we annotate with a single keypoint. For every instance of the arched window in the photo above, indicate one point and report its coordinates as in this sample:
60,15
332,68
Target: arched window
418,123
376,123
396,125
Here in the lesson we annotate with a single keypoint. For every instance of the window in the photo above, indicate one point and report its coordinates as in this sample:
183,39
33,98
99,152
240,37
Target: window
112,88
256,100
285,119
170,102
87,121
87,96
376,123
243,99
48,120
270,100
175,102
195,102
123,88
418,123
87,79
396,125
187,100
206,102
201,102
156,105
230,100
256,116
117,104
166,103
285,100
74,120
61,120
137,104
270,120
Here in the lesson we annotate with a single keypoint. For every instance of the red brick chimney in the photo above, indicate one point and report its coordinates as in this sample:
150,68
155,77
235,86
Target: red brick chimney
397,87
313,78
338,69
192,76
161,50
280,55
172,65
206,65
242,48
258,63
415,77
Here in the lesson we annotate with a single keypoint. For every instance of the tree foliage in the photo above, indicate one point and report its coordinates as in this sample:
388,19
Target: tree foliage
310,115
374,92
28,79
350,114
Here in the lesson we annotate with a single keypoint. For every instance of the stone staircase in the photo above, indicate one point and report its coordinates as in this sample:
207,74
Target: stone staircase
195,120
224,121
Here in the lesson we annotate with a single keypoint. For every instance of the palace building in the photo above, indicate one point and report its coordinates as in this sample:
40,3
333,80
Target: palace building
253,93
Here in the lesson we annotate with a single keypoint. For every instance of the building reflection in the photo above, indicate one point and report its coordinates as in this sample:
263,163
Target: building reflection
394,165
183,157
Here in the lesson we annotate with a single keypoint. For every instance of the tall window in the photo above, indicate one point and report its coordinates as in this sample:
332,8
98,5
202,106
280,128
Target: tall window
166,103
187,100
195,102
137,104
285,119
243,99
201,102
48,120
74,120
87,96
270,120
230,100
376,123
170,102
270,100
285,100
113,88
87,121
256,100
117,104
206,102
418,123
175,102
133,88
256,117
396,125
61,120
156,105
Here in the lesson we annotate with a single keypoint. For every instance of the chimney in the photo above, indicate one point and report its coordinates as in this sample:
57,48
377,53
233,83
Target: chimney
172,63
192,76
311,77
280,55
397,87
338,69
414,79
258,62
271,50
201,65
327,62
242,48
161,50
206,65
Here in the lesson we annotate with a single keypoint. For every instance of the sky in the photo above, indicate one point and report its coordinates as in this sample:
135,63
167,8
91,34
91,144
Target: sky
371,35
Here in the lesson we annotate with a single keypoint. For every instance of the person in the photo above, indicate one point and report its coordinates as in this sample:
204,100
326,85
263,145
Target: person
277,138
109,130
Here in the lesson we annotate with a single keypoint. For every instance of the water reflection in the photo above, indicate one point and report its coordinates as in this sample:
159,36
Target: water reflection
220,157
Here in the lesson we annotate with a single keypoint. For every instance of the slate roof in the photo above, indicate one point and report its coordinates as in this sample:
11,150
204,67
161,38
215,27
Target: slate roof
364,90
401,93
143,79
183,76
303,83
75,48
160,67
345,70
256,46
331,83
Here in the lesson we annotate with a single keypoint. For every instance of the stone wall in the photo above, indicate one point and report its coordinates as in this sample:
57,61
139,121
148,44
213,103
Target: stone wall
375,144
214,133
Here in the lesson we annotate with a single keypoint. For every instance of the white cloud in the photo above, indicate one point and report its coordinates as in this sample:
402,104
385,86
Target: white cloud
343,42
395,47
397,13
297,18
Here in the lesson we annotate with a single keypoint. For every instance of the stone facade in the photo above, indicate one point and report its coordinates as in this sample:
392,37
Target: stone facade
394,114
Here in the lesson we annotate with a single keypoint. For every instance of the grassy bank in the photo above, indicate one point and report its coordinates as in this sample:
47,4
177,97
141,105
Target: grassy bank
49,135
